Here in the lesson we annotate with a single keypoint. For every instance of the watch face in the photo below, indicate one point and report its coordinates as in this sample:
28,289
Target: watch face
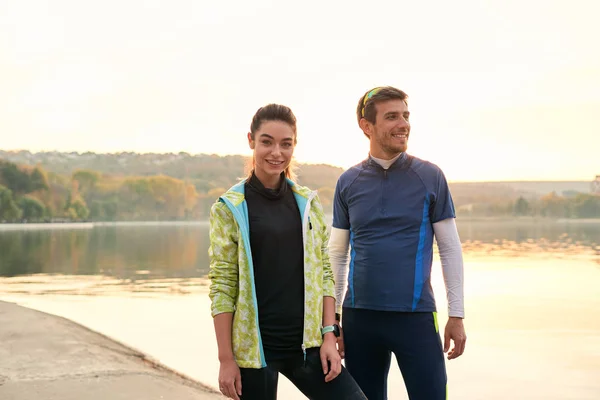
336,330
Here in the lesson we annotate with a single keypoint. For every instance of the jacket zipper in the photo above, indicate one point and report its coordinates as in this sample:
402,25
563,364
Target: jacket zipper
383,189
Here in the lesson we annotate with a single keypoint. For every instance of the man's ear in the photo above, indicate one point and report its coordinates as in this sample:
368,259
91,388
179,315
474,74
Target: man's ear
250,141
366,126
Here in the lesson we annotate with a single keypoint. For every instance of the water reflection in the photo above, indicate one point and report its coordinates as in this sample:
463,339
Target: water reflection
138,252
518,231
524,238
126,251
145,283
98,285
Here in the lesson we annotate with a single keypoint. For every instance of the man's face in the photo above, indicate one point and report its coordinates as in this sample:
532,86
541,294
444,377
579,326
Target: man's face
389,135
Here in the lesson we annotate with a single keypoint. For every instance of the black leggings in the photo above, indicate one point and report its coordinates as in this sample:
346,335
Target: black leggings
308,377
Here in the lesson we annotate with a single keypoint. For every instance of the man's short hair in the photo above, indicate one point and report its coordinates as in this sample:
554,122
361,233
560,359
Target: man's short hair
366,105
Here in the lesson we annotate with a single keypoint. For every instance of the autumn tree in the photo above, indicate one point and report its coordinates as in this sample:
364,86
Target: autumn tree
32,208
553,205
86,180
76,207
39,180
9,211
14,178
522,207
587,206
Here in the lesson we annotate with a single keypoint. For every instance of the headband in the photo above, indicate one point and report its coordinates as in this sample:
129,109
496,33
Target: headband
367,97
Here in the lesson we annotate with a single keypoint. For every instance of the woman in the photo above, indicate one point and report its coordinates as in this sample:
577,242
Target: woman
272,288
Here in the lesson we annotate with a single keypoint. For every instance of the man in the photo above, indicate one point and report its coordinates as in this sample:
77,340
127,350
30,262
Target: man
387,210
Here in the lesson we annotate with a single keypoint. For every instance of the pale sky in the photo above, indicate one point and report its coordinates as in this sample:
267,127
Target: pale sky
498,90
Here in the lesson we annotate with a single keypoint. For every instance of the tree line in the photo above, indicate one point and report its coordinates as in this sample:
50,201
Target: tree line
551,205
33,194
132,187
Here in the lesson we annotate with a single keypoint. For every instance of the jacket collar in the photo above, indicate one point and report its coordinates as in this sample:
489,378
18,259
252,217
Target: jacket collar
402,161
236,193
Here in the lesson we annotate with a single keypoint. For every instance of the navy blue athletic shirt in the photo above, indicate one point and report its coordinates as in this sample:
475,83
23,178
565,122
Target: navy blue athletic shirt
389,214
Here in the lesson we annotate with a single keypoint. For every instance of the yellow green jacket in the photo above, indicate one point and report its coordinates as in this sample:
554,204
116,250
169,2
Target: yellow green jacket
232,275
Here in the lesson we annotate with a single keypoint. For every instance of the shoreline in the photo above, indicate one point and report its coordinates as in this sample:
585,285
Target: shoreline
107,359
532,219
91,224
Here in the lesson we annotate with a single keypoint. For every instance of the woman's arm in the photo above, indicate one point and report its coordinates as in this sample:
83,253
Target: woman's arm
223,275
328,280
223,254
330,357
328,311
230,378
223,323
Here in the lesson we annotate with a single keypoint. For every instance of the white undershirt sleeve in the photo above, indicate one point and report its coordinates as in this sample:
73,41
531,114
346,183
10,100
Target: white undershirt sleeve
450,249
339,256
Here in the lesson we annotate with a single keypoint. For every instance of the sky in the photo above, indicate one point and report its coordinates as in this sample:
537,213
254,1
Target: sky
498,90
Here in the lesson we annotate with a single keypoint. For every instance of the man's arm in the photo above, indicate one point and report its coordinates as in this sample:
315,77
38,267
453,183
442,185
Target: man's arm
450,250
339,256
449,246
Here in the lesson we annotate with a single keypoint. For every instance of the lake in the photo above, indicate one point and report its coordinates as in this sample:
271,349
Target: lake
180,250
532,299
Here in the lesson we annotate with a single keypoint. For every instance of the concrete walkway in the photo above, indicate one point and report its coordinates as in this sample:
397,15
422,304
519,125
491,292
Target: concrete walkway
44,357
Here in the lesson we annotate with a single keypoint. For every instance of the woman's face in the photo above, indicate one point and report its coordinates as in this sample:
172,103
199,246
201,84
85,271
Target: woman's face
273,146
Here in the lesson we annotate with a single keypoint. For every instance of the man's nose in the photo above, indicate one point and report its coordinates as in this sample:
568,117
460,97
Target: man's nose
403,123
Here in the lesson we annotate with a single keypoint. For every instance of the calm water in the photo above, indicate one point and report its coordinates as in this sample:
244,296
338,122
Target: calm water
532,295
125,251
179,250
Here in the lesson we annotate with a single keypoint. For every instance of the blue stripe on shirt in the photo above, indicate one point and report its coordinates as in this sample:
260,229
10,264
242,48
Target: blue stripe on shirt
419,259
351,272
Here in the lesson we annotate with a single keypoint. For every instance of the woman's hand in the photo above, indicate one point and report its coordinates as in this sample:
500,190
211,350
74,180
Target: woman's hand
230,379
330,358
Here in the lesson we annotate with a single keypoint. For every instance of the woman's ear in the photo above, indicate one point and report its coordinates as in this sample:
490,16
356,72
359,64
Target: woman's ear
250,140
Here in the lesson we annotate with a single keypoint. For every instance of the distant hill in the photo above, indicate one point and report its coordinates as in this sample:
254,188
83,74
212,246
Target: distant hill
205,171
208,171
133,186
514,189
544,187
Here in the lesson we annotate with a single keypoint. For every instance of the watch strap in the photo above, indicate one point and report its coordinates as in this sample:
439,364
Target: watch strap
327,329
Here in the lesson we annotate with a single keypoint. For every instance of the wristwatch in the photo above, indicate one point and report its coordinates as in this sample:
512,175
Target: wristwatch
335,328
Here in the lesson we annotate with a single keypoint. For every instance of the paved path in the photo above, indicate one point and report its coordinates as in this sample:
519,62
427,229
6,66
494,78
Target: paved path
44,357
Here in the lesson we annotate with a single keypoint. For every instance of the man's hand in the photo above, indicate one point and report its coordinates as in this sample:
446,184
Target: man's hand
230,379
330,359
340,343
455,331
